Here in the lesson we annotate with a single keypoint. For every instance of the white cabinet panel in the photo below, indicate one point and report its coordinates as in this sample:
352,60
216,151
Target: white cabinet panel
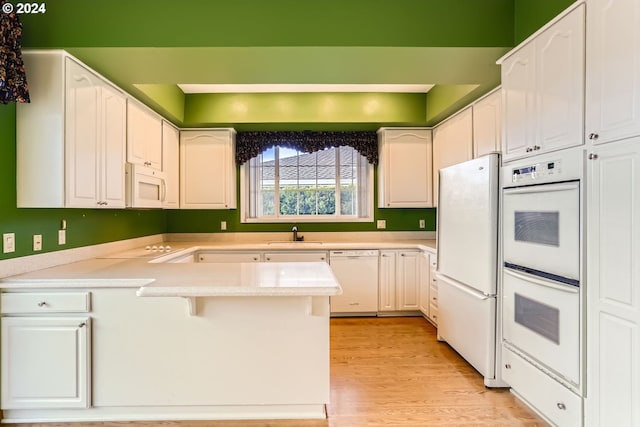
560,83
613,294
75,156
543,89
452,144
518,99
404,173
144,136
487,124
613,70
301,256
228,257
399,280
171,165
45,362
207,169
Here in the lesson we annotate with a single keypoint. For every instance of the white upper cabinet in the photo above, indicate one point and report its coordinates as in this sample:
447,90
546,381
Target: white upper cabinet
74,157
613,67
404,172
543,89
487,123
171,165
207,169
144,136
452,144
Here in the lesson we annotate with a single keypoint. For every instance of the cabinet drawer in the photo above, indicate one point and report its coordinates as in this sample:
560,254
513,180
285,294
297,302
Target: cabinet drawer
433,312
560,405
44,302
433,294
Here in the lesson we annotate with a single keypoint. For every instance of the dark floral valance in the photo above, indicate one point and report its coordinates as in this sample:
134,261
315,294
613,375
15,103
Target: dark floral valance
13,82
252,143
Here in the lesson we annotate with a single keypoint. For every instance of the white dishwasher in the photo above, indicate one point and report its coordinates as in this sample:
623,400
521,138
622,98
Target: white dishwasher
357,272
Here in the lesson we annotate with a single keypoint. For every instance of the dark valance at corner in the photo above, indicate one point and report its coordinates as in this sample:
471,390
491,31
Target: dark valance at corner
249,144
13,81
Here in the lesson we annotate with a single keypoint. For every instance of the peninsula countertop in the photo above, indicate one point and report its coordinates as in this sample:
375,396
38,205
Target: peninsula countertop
140,268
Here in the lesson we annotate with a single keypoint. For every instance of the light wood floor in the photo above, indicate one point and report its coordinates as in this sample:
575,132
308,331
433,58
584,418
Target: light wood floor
390,372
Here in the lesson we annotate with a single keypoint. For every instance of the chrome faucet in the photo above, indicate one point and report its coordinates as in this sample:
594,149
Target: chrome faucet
296,238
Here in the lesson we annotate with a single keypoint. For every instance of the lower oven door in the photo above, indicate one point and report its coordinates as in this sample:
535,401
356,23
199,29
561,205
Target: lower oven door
542,319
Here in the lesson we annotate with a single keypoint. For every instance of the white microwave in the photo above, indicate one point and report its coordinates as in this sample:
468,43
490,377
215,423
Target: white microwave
145,187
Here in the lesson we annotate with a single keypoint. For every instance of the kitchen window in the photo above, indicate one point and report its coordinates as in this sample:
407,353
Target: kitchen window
285,184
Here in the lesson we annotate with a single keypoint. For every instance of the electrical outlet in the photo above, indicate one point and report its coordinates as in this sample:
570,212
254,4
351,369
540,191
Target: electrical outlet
381,223
37,242
8,242
62,237
223,225
421,223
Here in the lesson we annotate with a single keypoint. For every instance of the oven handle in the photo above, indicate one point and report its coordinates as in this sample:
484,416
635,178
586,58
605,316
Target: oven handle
533,279
542,188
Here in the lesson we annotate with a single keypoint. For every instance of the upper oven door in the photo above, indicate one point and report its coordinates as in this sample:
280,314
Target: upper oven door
541,230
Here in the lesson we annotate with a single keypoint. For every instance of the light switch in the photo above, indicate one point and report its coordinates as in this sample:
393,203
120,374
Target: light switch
8,243
37,242
223,225
62,237
382,223
421,223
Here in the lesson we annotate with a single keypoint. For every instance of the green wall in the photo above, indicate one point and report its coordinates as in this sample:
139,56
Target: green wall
530,15
81,23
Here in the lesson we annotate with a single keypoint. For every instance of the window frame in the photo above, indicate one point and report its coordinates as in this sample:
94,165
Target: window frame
368,207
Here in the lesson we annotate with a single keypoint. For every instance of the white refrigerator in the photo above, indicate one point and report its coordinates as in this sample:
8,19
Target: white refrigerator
467,273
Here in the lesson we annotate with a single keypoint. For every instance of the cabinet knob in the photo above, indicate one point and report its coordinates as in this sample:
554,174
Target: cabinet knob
561,406
42,304
536,147
82,325
592,156
529,149
593,136
507,366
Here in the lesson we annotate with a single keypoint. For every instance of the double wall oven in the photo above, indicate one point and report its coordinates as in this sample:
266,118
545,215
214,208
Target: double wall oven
542,261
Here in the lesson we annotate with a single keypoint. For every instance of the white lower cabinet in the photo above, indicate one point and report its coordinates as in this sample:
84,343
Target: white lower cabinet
428,287
228,256
399,275
46,356
558,404
300,256
613,271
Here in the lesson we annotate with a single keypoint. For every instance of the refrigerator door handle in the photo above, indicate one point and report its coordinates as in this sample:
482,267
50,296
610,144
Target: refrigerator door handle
477,295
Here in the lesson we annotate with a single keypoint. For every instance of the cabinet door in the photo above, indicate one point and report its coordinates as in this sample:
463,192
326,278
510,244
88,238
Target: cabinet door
207,170
45,362
144,136
613,70
228,257
311,256
425,283
487,122
82,127
170,165
452,144
518,101
113,134
613,303
407,281
560,83
387,281
405,171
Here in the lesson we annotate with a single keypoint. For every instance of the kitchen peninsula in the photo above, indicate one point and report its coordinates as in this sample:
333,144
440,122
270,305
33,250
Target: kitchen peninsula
126,339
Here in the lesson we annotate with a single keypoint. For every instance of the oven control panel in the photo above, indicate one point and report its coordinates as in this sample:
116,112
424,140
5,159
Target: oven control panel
537,171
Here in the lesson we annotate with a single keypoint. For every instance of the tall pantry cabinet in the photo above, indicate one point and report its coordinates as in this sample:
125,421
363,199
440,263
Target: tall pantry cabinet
612,133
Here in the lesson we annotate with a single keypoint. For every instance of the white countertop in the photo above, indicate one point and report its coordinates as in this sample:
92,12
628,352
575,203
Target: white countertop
132,268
